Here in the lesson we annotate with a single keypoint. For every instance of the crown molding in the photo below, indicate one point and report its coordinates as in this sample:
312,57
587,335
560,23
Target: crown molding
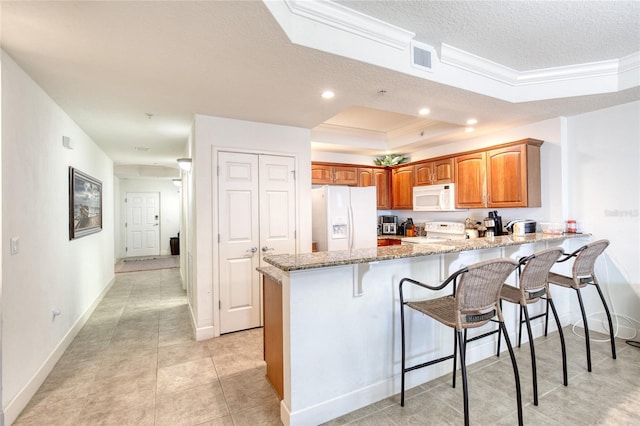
343,18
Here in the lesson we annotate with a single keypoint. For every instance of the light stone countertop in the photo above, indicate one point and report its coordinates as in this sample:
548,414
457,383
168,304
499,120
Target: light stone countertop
324,259
271,272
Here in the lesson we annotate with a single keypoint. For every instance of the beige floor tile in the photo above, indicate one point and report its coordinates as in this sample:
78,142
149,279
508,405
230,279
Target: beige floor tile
193,406
262,415
248,389
233,363
182,352
175,336
186,375
121,413
135,388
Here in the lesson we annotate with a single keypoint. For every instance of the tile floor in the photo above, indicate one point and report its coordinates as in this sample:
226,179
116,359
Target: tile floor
135,363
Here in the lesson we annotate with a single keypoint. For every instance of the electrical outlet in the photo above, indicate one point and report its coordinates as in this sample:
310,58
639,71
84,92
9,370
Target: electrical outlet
14,245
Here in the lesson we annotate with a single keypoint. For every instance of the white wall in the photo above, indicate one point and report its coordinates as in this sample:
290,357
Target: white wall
50,272
604,194
212,133
169,209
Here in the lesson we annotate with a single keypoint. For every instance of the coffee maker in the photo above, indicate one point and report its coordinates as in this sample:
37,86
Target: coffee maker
493,223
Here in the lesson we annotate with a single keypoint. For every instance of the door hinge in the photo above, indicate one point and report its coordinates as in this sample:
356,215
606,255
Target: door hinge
218,171
126,224
126,249
295,234
293,172
219,304
125,199
218,238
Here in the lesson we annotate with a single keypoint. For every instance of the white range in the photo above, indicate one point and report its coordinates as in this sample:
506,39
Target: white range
438,231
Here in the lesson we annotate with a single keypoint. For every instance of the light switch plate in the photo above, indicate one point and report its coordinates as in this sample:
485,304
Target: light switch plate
14,245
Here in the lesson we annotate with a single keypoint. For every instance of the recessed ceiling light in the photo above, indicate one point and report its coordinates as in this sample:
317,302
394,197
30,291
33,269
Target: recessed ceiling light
472,121
469,129
328,94
142,148
424,111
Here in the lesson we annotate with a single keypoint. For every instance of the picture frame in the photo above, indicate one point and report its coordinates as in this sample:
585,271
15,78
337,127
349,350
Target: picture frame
85,204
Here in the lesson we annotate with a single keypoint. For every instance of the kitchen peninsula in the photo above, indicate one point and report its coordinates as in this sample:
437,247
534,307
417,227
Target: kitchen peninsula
340,319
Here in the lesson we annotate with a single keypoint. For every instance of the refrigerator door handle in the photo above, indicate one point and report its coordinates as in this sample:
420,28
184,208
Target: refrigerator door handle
350,225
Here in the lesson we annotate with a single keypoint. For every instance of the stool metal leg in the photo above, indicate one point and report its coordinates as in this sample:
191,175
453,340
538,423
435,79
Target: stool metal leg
606,310
586,330
402,332
455,352
560,332
533,355
515,372
463,367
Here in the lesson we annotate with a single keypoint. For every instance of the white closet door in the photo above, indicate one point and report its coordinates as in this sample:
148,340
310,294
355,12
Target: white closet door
277,206
239,240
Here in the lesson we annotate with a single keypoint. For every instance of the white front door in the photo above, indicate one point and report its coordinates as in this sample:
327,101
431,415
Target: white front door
143,224
256,213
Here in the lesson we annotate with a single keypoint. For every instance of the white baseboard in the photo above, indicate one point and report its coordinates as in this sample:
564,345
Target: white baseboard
200,333
17,404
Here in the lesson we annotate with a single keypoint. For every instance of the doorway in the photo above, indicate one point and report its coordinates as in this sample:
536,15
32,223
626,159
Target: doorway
256,217
143,224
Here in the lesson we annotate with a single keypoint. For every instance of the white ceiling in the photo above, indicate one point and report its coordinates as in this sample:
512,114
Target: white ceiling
110,64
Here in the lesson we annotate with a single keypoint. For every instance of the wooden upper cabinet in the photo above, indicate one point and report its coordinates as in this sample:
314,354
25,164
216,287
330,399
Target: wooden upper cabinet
507,176
382,180
330,174
365,176
402,187
434,172
378,177
470,180
321,174
513,176
345,175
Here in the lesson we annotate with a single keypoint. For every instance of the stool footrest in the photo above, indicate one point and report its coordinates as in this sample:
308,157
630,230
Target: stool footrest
425,364
488,333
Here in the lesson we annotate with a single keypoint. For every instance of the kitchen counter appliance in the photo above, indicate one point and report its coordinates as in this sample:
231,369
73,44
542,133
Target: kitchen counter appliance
521,227
439,231
388,224
435,198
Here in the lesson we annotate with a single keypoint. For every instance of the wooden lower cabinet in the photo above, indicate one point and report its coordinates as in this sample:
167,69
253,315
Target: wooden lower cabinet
382,242
272,330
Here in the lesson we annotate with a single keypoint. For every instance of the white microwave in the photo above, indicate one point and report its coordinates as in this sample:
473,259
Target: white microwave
434,198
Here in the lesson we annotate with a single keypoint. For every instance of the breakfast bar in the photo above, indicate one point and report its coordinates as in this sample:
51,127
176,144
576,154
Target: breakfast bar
340,319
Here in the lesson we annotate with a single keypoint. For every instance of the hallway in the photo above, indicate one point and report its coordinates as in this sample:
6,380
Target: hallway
135,363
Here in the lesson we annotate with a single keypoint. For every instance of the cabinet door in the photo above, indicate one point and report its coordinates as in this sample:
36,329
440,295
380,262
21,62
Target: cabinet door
442,171
321,174
402,188
365,177
470,180
423,174
345,175
383,190
507,177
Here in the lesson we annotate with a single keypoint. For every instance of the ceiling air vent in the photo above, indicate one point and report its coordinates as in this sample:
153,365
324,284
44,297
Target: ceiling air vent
421,55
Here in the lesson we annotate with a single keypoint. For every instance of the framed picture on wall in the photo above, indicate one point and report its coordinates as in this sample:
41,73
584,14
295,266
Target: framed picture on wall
85,204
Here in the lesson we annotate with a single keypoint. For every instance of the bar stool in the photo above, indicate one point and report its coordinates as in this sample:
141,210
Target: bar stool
533,273
473,304
583,274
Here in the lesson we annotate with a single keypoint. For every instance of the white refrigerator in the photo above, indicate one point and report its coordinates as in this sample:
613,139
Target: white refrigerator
344,217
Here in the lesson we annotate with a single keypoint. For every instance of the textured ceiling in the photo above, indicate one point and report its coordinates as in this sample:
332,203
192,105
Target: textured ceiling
522,35
108,64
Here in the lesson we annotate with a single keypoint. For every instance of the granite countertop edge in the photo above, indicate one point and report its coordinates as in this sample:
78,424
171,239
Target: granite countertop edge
292,262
